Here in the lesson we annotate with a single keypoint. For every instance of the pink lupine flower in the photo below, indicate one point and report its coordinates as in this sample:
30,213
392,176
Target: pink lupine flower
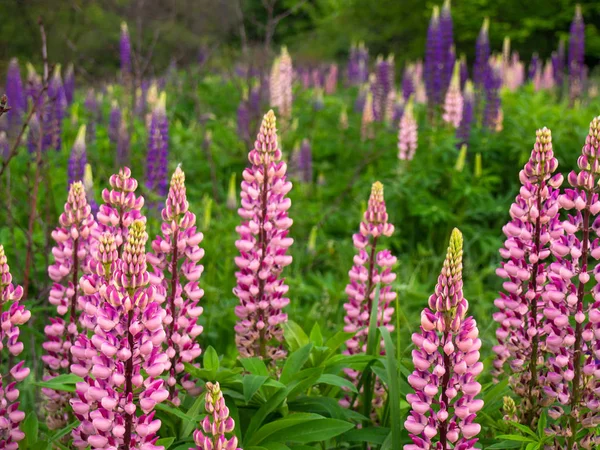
371,268
366,126
71,258
446,359
407,134
281,80
175,261
453,104
571,329
534,222
331,79
217,424
122,361
263,246
13,316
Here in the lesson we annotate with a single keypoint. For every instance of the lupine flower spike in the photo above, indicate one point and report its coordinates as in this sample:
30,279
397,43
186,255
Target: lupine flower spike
534,222
13,316
16,94
72,253
446,360
158,149
217,424
78,157
571,329
123,375
463,133
176,271
453,105
263,246
371,268
434,61
482,55
407,134
366,126
576,53
125,52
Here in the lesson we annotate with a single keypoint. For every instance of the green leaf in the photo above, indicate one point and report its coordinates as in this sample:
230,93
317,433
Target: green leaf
524,429
515,437
211,359
257,419
334,342
335,380
255,366
313,431
374,435
505,444
188,427
30,427
291,420
393,388
176,412
294,335
165,442
251,384
62,432
315,335
64,383
294,363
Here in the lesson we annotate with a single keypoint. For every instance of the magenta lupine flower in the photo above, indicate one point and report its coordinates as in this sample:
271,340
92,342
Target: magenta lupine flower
446,360
123,359
371,268
78,157
408,137
534,223
571,329
263,246
576,53
13,315
114,122
453,104
125,52
366,127
72,252
176,271
16,94
217,424
158,149
69,84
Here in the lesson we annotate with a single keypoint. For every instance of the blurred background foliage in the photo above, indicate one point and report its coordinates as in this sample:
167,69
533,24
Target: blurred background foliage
85,31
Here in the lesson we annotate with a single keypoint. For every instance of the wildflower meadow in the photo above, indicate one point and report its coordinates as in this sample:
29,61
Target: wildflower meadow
258,250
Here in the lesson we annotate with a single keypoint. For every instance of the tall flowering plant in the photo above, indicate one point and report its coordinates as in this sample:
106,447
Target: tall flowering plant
446,360
263,245
176,271
123,359
72,254
408,137
526,253
13,316
453,104
158,149
371,268
572,305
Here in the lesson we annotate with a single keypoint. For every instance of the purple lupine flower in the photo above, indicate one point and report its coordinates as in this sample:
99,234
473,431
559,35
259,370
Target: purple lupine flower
158,149
78,157
352,68
13,316
576,53
88,184
34,135
383,83
217,424
263,246
16,95
534,66
361,98
492,85
407,134
54,112
125,52
464,72
463,133
447,45
72,254
453,103
176,271
34,85
243,119
446,359
534,222
115,402
363,63
558,63
305,166
572,304
433,61
482,56
408,82
114,122
371,268
69,85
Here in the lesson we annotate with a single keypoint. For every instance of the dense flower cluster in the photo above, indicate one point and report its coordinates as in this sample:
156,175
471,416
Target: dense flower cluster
16,94
371,268
482,55
446,360
407,134
263,245
282,74
72,254
358,64
534,223
453,104
382,85
12,317
217,423
176,271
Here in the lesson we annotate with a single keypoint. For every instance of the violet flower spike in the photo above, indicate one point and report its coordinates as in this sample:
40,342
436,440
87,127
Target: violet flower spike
13,316
125,52
482,55
176,272
158,149
446,360
263,246
16,95
433,61
463,133
534,223
576,53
